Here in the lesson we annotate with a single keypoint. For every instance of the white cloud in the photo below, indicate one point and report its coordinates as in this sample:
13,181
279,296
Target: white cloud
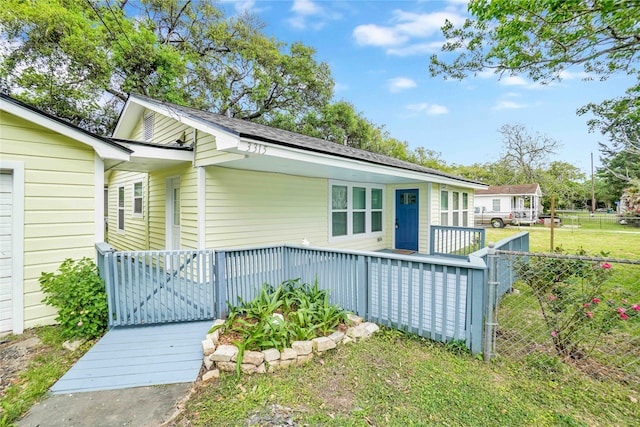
408,33
374,35
428,109
436,110
569,75
307,14
513,81
416,49
401,83
305,7
425,24
520,81
508,105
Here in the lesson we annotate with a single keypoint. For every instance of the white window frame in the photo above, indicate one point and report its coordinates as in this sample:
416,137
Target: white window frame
451,211
464,208
120,209
133,199
493,205
445,209
456,211
350,211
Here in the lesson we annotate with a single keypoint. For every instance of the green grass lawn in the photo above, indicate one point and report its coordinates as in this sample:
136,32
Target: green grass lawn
623,243
394,379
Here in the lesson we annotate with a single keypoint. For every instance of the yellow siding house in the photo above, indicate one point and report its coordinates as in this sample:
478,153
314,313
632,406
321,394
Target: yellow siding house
199,180
51,204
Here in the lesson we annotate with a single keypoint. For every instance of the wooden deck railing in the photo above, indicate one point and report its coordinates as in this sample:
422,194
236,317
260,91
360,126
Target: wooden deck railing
434,297
506,276
442,298
455,241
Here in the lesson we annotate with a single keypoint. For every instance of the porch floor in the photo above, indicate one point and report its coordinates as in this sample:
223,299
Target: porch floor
137,357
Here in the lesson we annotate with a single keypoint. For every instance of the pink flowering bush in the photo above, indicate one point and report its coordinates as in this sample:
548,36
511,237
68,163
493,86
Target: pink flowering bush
571,297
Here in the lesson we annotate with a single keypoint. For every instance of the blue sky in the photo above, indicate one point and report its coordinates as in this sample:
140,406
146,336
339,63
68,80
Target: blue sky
379,53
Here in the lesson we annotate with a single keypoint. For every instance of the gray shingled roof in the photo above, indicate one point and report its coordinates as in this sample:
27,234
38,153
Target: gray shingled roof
256,131
509,189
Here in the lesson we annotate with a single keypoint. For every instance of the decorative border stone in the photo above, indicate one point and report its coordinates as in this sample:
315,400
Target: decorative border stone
224,357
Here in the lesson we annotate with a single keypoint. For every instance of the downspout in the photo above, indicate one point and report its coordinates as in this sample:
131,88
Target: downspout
147,236
429,216
201,191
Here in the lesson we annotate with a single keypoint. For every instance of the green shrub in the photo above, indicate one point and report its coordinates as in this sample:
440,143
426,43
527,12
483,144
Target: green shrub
78,293
576,306
278,316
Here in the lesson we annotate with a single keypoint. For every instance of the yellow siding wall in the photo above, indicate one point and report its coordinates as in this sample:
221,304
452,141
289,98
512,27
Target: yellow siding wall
59,203
188,204
148,232
247,208
165,130
135,235
205,148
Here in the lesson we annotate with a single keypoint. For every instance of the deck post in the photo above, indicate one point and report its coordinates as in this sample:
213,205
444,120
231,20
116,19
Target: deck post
362,286
476,308
220,285
489,317
286,265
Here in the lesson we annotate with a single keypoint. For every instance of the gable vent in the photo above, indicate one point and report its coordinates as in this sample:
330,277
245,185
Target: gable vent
148,126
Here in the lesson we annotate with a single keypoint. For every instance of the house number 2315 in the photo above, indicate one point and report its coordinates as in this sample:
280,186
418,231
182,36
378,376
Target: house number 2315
252,147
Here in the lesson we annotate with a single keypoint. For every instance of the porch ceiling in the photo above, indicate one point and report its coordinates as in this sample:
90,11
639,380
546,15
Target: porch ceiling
314,170
146,158
143,164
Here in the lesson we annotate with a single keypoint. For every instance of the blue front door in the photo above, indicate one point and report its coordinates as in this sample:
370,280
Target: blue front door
407,219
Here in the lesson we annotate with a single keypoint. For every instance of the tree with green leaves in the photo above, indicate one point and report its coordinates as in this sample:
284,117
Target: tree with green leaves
562,180
542,39
79,60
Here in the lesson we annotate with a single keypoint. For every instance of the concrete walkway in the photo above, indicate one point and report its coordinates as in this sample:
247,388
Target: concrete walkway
138,407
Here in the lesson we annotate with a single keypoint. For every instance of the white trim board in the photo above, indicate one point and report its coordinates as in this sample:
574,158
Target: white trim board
17,257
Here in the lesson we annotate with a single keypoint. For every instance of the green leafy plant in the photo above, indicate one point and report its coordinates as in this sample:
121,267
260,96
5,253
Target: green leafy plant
280,315
78,293
571,295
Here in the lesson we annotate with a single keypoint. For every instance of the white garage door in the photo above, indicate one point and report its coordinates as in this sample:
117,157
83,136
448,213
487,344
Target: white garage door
6,231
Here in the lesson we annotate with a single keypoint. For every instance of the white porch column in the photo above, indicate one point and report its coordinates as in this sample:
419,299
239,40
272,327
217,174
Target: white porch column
98,188
202,207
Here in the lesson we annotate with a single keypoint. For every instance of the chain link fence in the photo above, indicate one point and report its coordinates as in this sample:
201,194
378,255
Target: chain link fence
577,310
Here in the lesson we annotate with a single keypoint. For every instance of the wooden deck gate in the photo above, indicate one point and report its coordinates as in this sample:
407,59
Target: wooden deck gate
152,287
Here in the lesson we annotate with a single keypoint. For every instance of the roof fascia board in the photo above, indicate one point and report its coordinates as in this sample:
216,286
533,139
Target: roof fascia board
160,153
104,150
508,194
221,159
251,147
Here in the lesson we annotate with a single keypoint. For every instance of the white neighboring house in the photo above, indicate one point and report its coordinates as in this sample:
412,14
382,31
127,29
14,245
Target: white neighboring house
511,204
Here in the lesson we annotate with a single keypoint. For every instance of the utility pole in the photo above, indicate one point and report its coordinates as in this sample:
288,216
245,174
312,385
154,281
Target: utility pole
593,189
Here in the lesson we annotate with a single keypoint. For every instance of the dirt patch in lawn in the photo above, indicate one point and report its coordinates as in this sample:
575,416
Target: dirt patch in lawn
15,355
